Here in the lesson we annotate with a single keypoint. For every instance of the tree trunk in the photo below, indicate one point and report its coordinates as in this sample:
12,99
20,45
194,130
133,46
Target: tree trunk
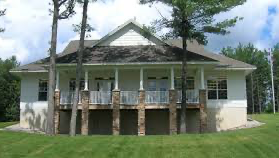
79,69
277,99
252,93
259,97
52,69
184,87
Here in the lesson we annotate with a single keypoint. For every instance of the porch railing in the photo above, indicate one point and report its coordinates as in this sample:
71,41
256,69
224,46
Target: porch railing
156,97
68,97
192,96
129,97
100,97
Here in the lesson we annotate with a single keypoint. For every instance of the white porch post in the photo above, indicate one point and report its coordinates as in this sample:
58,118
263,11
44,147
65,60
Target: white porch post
202,77
86,81
116,79
172,78
57,81
141,78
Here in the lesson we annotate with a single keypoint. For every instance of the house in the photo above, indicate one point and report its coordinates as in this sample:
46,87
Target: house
132,85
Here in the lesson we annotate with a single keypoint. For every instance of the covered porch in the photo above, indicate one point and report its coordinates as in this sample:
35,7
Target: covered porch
139,88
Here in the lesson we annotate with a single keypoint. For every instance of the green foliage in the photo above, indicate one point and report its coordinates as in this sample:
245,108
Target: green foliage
9,91
192,19
2,13
275,52
88,28
147,31
261,77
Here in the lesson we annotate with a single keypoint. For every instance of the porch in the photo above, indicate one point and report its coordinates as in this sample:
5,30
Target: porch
147,97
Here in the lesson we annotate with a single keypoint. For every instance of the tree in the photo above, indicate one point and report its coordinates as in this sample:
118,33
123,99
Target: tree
83,28
2,13
57,15
9,90
275,52
191,20
257,93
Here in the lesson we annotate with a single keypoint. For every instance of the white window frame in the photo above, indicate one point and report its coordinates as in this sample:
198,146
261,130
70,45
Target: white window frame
217,79
42,91
73,79
188,78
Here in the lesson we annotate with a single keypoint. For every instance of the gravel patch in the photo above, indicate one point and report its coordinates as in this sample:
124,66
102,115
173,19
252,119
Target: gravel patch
250,124
17,128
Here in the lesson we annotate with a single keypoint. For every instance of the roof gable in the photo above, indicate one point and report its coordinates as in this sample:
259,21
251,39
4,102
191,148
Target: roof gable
129,34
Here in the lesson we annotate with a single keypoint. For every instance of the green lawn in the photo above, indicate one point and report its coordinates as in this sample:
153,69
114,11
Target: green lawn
6,124
257,142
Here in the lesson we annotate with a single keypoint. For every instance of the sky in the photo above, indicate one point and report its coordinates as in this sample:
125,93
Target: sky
28,25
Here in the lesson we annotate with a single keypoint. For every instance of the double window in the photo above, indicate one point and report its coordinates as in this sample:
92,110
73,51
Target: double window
43,88
217,88
72,85
190,83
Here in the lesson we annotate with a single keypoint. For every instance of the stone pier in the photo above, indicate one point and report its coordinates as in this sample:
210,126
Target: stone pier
173,111
141,113
85,112
56,111
115,112
203,111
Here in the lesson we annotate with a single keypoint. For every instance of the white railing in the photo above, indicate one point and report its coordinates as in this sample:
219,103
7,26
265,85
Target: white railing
129,97
100,97
157,97
68,97
192,96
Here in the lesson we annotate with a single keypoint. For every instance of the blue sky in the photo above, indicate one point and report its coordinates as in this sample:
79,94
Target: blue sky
28,25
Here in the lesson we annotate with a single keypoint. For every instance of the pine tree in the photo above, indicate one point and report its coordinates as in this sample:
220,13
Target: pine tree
191,20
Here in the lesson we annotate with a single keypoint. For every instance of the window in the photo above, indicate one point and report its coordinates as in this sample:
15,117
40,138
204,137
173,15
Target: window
72,85
43,88
190,83
217,88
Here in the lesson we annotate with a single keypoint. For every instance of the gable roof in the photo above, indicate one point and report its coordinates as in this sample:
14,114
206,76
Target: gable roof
132,22
167,51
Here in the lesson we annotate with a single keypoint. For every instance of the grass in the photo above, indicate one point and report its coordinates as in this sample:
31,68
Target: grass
6,124
250,143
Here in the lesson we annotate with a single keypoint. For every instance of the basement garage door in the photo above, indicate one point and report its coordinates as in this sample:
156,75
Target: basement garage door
157,122
129,122
100,122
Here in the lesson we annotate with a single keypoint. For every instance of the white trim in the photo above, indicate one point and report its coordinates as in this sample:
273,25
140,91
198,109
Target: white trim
21,71
143,63
254,68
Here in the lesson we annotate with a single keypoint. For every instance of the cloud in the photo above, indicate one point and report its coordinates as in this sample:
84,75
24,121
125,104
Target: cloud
28,25
257,26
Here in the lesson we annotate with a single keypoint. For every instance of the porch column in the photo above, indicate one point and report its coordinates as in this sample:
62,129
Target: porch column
57,81
141,113
86,81
115,112
172,78
85,112
57,112
141,78
203,111
116,79
173,111
202,77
